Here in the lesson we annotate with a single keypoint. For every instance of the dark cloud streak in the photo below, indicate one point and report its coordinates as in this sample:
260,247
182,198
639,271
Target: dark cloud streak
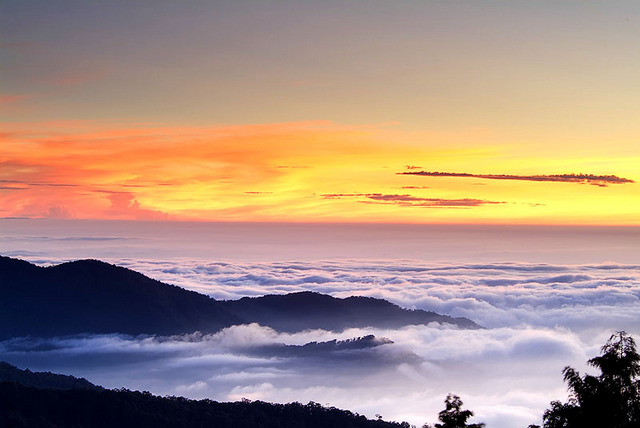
412,201
29,184
595,180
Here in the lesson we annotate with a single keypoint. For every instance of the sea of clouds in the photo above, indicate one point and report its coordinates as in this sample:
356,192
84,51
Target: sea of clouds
539,315
581,297
538,318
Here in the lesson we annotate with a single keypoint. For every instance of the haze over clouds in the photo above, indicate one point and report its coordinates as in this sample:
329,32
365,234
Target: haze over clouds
43,240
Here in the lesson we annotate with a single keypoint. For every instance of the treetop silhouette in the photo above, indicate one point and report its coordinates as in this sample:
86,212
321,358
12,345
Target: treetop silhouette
611,399
453,416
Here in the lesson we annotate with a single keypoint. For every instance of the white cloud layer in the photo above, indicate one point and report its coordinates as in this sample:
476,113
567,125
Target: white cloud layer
506,375
539,318
540,314
580,297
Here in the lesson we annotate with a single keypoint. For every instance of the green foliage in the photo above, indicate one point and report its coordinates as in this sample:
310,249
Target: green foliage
610,400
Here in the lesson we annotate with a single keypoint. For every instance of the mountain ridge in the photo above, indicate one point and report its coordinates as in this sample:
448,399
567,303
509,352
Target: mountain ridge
91,296
43,380
44,399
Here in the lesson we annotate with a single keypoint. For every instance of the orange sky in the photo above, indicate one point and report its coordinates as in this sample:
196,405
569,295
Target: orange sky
315,111
309,171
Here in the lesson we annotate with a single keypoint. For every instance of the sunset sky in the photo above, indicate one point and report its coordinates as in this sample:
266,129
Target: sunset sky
498,112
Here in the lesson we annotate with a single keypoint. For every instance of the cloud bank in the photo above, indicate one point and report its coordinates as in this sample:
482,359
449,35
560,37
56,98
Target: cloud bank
540,318
554,307
403,378
494,295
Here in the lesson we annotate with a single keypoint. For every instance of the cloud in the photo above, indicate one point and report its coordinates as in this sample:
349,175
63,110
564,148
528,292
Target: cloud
190,389
555,309
494,295
190,172
124,205
25,184
596,180
541,317
412,201
404,378
206,173
60,211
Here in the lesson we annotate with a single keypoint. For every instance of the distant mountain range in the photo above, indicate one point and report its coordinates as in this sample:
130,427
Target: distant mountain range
90,296
31,399
43,380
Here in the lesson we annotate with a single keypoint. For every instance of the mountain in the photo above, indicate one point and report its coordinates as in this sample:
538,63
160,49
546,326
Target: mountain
308,310
349,348
42,380
90,296
38,400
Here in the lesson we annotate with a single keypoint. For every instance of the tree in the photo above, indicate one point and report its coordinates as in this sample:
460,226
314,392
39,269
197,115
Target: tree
453,416
610,400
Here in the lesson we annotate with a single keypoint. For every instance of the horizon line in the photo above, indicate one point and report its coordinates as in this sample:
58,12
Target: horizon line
326,223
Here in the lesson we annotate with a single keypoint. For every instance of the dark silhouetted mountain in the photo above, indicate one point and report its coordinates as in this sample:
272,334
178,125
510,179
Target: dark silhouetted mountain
308,310
42,380
96,297
23,405
90,296
350,348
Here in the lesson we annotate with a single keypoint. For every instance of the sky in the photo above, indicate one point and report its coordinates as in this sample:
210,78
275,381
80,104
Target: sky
490,112
360,127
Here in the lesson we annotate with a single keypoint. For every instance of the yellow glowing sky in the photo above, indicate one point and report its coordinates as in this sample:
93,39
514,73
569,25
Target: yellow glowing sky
315,111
